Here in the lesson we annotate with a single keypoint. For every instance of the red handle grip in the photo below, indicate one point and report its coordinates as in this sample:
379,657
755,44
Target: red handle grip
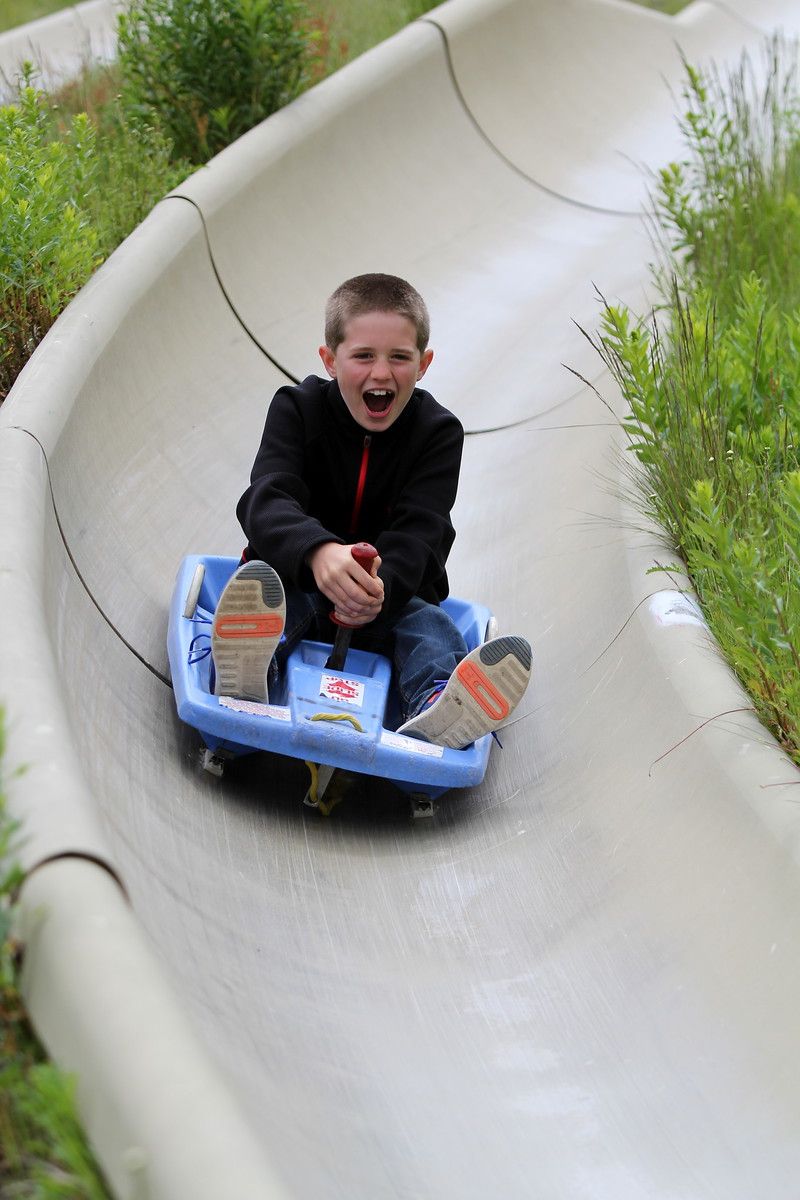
365,555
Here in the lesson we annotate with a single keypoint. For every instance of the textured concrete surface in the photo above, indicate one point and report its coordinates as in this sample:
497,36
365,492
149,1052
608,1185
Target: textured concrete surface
579,980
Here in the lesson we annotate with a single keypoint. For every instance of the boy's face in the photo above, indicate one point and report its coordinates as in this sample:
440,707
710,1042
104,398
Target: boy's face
376,366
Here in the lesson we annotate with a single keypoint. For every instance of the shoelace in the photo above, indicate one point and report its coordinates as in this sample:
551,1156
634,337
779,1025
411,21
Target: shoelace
196,656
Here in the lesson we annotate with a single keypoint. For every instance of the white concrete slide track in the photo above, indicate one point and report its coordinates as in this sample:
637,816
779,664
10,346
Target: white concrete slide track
579,980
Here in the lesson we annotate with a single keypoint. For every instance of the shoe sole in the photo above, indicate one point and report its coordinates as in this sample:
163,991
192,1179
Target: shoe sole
482,692
247,628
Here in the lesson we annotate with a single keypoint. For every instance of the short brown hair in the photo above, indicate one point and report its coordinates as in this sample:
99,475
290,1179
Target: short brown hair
375,293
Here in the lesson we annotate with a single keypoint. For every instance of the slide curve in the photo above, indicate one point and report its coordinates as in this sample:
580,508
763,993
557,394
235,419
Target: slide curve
579,980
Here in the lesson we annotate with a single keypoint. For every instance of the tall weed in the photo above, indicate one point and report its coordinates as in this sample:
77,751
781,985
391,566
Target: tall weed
135,165
732,206
48,247
712,380
69,193
135,169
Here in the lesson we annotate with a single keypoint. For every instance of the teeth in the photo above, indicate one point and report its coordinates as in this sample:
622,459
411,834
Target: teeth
378,392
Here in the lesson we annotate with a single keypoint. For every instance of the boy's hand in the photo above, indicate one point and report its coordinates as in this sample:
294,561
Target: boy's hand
356,595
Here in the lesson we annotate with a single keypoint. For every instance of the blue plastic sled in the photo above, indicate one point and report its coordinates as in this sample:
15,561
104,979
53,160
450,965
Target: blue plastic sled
342,719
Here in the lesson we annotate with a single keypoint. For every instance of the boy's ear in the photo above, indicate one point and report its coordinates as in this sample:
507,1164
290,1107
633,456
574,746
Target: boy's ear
329,360
424,362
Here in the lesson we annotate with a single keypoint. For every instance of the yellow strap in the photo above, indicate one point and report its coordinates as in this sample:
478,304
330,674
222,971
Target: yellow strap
312,787
335,796
326,807
339,717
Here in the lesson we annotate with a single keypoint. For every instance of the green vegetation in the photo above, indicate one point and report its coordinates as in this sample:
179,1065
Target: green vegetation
206,71
19,12
70,190
670,7
43,1155
350,27
48,248
713,379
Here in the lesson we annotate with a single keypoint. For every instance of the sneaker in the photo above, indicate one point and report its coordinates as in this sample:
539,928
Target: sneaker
247,628
482,692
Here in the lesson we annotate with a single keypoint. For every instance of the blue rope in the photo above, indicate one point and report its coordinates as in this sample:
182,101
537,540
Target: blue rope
196,656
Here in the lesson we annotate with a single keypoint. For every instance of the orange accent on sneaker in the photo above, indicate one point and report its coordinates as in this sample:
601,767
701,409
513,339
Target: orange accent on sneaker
493,703
240,625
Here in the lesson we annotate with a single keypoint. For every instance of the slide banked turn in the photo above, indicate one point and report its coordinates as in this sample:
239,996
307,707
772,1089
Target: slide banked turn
581,979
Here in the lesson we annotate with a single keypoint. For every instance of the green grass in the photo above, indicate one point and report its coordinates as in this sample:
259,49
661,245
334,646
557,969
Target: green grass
670,7
19,12
713,378
353,26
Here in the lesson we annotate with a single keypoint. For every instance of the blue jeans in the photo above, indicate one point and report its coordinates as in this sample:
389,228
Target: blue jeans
422,641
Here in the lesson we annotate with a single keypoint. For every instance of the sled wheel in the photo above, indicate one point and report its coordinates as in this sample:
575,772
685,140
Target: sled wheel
213,763
422,806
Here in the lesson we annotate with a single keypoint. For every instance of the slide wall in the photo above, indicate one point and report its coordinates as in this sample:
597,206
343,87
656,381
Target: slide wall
580,980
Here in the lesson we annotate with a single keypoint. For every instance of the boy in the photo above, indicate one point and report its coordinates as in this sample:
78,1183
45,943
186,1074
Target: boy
364,455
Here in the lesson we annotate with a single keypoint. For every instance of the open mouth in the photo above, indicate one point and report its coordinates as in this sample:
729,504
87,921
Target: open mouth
378,401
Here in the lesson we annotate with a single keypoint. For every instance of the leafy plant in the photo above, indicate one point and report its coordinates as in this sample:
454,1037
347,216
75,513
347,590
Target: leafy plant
712,379
745,573
68,195
135,169
206,71
48,247
731,205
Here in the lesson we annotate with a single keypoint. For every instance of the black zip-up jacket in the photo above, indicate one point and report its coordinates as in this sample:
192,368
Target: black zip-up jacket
304,489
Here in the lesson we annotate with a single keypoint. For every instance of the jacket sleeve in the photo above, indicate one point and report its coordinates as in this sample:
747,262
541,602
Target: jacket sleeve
273,512
415,544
